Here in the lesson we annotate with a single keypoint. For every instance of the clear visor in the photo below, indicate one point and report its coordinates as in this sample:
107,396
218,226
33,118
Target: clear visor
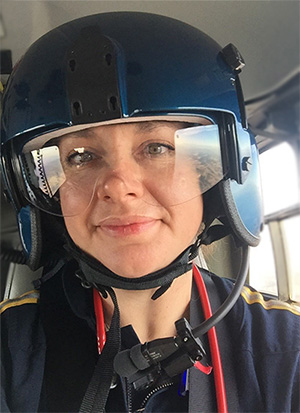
167,167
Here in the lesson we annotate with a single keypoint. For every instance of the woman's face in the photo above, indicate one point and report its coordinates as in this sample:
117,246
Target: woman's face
143,209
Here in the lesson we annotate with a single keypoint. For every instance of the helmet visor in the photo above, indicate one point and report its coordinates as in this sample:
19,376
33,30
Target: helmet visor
67,176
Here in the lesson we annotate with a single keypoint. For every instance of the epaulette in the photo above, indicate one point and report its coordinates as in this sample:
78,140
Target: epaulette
31,297
254,297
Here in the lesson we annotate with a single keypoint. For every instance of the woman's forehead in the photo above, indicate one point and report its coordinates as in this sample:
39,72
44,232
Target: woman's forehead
135,127
141,124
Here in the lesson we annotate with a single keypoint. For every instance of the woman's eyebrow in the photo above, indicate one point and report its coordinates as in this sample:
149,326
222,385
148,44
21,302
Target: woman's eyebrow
152,125
84,133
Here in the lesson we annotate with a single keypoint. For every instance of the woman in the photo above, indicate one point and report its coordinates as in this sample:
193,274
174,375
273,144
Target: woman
118,153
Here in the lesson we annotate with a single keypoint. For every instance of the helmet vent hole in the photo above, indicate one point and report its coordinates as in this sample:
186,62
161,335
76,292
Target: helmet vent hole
108,59
77,109
113,103
72,64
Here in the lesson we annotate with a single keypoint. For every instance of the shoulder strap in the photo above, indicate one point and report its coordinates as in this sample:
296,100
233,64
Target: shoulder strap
201,386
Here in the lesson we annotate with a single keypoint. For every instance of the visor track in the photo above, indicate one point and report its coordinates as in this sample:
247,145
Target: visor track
25,167
27,173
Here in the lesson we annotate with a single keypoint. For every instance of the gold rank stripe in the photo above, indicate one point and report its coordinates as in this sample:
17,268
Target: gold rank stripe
31,297
253,297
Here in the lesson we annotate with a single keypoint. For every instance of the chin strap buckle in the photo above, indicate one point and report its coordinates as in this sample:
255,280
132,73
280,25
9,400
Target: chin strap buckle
84,283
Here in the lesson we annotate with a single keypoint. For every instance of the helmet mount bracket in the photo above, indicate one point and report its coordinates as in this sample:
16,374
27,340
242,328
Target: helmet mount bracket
91,64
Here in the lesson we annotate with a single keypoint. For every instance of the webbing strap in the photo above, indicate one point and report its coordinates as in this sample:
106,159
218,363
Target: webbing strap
98,389
201,386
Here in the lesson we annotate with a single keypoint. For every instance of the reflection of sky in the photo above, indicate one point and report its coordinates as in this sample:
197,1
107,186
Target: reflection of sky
201,146
199,141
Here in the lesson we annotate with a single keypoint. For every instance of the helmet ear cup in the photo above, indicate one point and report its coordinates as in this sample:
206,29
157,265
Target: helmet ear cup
243,203
29,223
42,236
239,206
11,176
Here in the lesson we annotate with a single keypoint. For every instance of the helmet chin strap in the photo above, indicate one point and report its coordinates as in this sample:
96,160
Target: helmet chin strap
93,273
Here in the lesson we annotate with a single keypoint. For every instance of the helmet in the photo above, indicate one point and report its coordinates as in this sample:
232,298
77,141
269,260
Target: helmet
122,67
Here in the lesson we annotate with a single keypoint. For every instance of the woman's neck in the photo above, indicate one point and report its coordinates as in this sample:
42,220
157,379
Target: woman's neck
152,319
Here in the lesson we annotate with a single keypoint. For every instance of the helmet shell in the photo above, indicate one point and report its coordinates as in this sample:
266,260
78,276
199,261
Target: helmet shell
127,65
160,65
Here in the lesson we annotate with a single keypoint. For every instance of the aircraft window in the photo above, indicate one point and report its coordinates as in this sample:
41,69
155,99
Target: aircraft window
262,275
279,178
291,231
275,264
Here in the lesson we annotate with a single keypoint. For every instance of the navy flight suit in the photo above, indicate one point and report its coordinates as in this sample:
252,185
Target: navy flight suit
49,352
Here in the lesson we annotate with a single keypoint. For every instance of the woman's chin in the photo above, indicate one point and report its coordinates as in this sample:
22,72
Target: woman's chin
133,270
134,261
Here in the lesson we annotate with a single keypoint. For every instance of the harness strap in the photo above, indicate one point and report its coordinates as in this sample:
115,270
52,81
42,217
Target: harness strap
97,392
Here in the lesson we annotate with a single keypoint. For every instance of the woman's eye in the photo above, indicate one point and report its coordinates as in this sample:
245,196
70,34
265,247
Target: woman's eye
79,158
154,149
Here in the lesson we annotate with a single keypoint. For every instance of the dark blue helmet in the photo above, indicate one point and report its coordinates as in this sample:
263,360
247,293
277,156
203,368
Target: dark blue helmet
129,66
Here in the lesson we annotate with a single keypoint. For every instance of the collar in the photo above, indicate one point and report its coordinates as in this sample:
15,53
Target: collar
79,299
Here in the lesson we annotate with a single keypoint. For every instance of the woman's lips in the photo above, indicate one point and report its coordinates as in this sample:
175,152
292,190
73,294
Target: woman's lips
127,226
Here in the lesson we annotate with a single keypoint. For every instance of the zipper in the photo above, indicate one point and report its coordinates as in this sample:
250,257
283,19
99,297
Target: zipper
129,396
155,390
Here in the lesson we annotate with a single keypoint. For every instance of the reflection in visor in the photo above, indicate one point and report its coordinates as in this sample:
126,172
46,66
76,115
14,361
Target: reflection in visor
48,170
201,145
172,169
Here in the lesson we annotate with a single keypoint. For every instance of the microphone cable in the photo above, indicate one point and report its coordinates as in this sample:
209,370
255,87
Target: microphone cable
230,300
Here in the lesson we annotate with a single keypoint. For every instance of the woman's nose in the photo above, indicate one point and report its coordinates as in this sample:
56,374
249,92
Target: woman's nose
122,182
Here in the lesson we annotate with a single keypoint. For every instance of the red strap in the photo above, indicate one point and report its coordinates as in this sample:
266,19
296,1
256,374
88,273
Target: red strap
205,369
213,343
101,333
